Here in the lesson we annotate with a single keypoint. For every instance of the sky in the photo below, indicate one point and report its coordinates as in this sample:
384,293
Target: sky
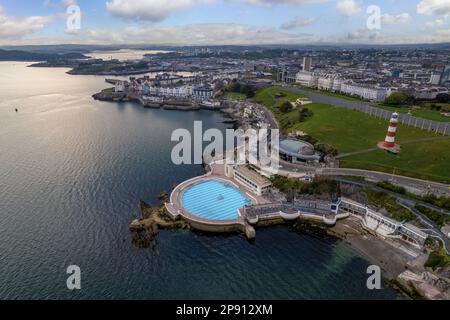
223,22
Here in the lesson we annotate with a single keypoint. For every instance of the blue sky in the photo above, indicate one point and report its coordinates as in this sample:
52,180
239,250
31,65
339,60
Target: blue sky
224,21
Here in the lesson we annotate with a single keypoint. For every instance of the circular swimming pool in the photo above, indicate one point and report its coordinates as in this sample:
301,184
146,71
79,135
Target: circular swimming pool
214,200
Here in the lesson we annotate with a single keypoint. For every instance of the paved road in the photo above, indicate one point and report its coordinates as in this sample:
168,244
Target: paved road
400,197
432,230
272,121
420,186
412,184
369,108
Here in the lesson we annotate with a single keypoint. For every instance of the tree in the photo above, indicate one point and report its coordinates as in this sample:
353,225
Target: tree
326,149
443,98
396,99
286,107
305,113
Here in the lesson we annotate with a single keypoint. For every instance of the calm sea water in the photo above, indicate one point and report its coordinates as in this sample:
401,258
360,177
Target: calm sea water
72,172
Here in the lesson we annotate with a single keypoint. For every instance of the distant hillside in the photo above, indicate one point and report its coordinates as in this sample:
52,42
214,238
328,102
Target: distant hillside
16,55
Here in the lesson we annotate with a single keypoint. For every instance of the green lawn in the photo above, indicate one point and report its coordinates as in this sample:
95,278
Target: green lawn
268,97
430,115
399,109
423,160
351,131
108,90
419,112
235,96
333,94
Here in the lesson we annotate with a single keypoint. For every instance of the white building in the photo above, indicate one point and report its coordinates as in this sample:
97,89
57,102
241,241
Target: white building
182,91
249,179
435,78
383,226
119,86
307,63
329,82
203,93
429,93
307,79
365,92
333,82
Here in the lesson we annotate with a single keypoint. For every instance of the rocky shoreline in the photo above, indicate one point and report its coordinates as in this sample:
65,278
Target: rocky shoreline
145,230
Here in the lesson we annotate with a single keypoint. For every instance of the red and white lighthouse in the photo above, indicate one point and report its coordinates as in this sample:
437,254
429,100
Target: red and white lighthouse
389,142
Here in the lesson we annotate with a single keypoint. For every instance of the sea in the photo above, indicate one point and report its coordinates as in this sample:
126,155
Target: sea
72,174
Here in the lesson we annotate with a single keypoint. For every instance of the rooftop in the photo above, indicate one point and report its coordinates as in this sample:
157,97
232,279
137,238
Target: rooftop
298,148
254,176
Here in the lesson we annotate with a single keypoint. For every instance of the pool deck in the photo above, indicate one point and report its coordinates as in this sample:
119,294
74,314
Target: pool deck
176,210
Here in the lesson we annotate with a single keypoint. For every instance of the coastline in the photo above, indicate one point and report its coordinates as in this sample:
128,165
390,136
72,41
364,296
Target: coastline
381,252
376,251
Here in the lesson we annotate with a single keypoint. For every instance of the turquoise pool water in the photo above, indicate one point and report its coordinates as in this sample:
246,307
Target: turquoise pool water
214,200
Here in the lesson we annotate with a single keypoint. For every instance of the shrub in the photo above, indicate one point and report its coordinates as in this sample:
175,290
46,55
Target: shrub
396,99
389,186
286,107
443,97
437,217
437,259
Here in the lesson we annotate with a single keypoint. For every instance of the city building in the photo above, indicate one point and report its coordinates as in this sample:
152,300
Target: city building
384,226
297,151
307,63
445,78
203,93
307,79
249,178
435,78
371,93
119,86
286,76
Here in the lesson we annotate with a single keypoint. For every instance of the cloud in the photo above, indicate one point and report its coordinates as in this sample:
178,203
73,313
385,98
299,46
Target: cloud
297,22
195,34
434,23
158,10
17,28
398,19
154,10
434,7
289,2
347,7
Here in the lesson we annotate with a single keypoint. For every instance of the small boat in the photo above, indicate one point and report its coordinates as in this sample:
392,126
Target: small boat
17,110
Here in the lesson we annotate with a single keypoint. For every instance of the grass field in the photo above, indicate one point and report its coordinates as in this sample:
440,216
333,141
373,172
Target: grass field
268,97
423,160
108,90
430,115
333,94
351,131
418,112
